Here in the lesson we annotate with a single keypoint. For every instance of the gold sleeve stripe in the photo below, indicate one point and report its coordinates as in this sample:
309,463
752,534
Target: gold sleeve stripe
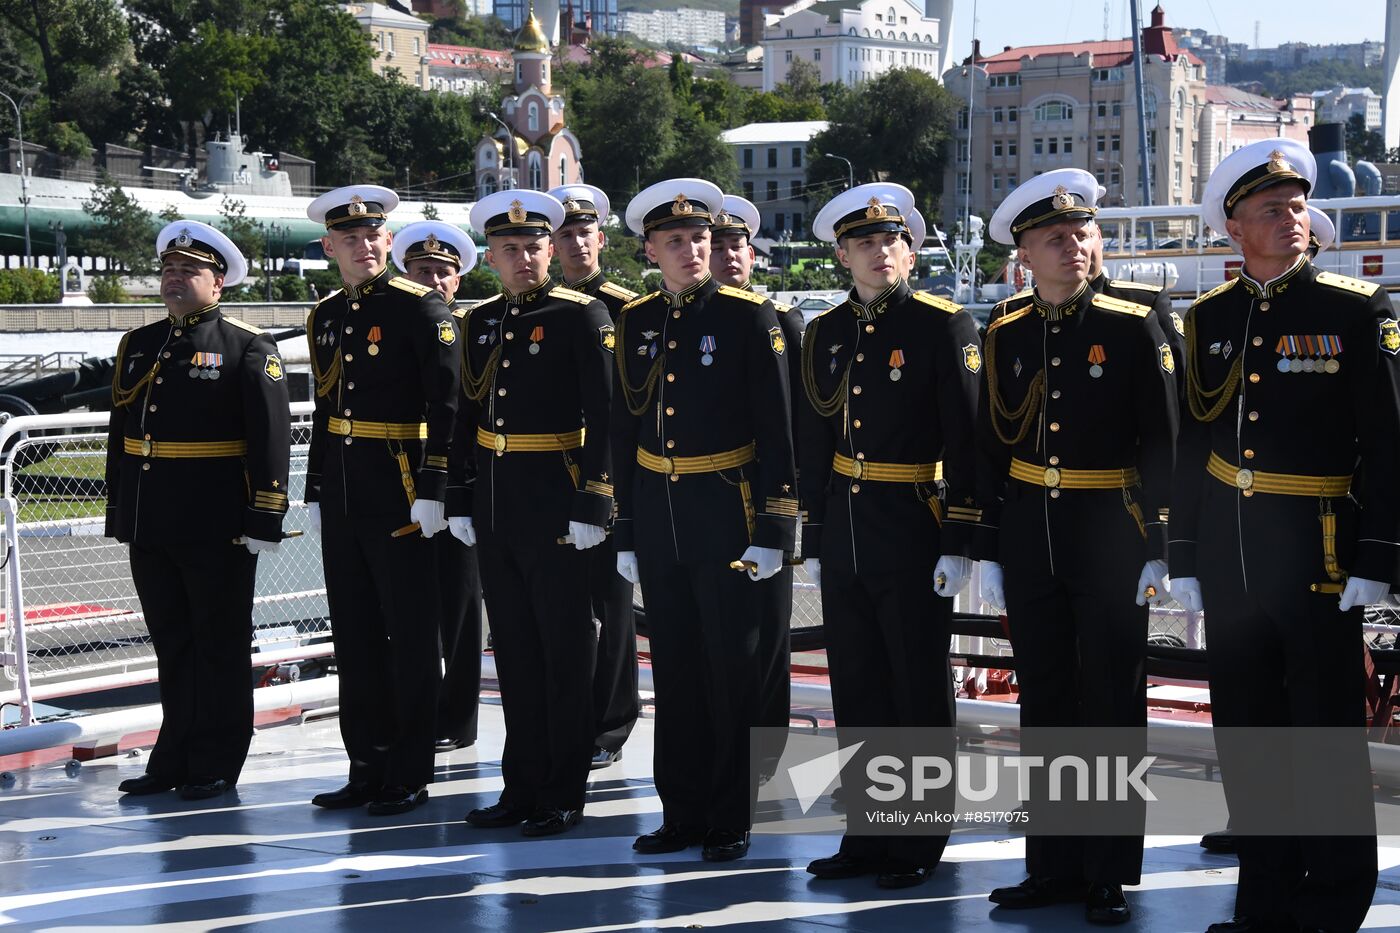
785,507
597,488
436,462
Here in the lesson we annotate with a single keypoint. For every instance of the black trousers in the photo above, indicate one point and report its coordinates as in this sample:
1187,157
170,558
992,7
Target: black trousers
887,648
703,621
1071,567
775,663
542,629
461,639
616,703
1280,655
385,607
198,603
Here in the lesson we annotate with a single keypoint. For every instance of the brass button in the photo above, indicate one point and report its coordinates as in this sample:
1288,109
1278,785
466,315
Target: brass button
349,329
178,332
349,441
676,313
1054,361
505,364
1054,426
349,357
860,357
870,328
1254,416
514,310
1055,394
674,477
1258,341
1055,329
1253,377
166,355
1248,492
1054,461
146,449
501,392
670,344
145,466
670,445
354,306
500,421
1054,493
510,335
1248,454
860,456
855,390
670,377
347,413
670,410
855,487
152,408
856,423
349,385
159,380
1263,306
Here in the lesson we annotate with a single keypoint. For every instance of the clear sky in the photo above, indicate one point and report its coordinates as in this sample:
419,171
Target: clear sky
1035,22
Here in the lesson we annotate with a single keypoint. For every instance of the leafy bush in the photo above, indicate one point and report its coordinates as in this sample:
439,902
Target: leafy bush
106,290
27,287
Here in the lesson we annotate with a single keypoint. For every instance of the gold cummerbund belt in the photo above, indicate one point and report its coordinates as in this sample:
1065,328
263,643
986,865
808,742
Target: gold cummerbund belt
711,463
503,443
1056,478
383,430
184,449
887,472
1279,484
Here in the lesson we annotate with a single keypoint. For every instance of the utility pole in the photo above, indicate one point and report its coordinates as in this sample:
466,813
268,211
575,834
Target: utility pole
23,176
1143,155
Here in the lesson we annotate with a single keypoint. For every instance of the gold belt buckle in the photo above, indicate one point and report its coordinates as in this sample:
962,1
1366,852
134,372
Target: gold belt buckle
1244,479
857,469
1052,477
500,443
668,466
146,448
340,426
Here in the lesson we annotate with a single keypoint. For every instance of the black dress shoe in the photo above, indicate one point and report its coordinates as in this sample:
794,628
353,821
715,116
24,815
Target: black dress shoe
1245,924
204,788
842,865
393,800
1106,904
724,846
498,815
602,757
449,745
1221,842
354,794
145,784
550,821
902,875
1039,891
669,838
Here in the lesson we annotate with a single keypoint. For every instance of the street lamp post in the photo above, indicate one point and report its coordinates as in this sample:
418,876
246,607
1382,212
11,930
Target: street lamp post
510,148
850,172
23,175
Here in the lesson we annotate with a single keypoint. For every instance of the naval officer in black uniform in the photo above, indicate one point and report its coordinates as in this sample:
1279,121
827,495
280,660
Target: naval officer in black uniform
890,380
383,353
1285,524
702,447
197,453
616,703
731,263
1075,437
437,255
536,379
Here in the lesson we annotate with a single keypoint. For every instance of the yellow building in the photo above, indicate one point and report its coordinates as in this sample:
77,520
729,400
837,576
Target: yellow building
399,41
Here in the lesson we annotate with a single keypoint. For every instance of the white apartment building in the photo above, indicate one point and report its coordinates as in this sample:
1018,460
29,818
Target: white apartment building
772,160
1339,104
852,40
686,26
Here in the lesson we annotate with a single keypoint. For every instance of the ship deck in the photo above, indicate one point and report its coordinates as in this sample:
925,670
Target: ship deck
76,856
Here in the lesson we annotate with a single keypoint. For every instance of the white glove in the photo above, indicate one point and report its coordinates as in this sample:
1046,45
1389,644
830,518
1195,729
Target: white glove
313,516
1154,574
768,559
954,571
813,567
1359,592
583,537
627,566
992,589
1187,591
255,545
428,513
462,529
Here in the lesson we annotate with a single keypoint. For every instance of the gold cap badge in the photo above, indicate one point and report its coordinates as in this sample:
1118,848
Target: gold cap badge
357,205
681,206
184,239
876,210
721,218
431,244
516,213
1063,200
1277,162
571,206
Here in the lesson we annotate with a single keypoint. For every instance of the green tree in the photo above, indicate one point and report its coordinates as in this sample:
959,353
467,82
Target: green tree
27,287
123,231
247,234
478,32
77,44
1363,143
1302,79
622,115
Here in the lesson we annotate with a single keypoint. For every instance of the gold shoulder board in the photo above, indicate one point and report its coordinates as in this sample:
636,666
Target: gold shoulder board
1217,290
617,291
743,293
1009,317
410,286
1139,286
937,301
1347,283
244,325
642,300
560,291
460,313
1121,306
